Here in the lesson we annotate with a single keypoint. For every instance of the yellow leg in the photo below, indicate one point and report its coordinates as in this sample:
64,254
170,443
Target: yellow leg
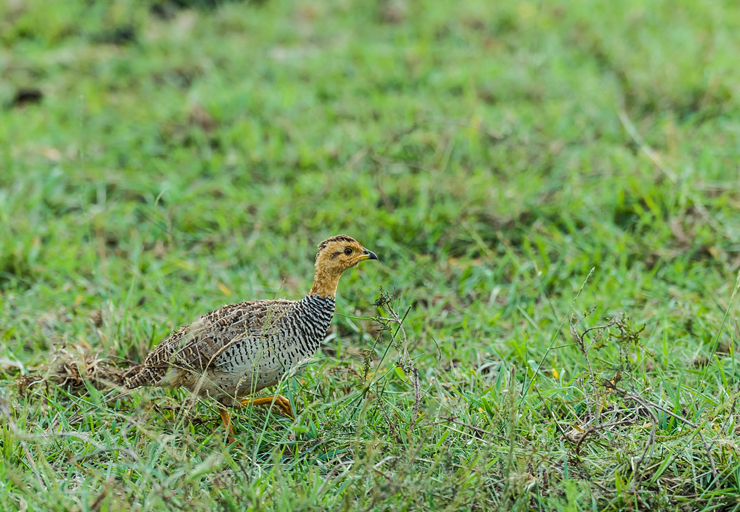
279,400
226,418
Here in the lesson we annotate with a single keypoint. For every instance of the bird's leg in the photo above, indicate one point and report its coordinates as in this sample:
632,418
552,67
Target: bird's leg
279,400
227,424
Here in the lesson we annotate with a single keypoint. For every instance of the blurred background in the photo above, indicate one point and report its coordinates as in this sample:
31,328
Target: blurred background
161,158
490,153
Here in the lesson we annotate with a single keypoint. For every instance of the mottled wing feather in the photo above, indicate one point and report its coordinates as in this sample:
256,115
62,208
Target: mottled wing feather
196,347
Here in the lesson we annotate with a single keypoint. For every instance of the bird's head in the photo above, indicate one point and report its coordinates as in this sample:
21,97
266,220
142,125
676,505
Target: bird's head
336,254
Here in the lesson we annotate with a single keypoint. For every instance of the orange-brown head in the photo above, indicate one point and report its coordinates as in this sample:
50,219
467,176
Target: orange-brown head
336,254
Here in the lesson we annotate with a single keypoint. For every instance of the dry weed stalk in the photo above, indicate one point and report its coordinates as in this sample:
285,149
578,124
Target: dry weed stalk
393,323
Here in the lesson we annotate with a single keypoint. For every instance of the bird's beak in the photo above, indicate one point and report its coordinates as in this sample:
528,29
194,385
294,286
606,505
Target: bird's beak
368,255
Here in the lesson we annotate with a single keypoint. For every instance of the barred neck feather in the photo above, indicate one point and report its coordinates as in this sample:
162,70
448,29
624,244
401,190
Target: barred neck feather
313,319
317,308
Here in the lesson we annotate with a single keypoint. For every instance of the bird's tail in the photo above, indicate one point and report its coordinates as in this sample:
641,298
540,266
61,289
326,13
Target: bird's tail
134,377
130,374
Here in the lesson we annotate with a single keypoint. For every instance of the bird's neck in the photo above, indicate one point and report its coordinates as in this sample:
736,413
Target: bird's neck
324,283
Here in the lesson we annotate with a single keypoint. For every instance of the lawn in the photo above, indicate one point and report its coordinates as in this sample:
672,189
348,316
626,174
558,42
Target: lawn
552,188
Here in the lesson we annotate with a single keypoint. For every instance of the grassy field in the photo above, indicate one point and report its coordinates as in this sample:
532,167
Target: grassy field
525,171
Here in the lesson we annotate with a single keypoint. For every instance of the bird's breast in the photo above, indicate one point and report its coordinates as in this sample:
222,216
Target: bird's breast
262,359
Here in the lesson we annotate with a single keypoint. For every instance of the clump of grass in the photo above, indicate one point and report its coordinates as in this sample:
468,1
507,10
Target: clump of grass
620,405
74,369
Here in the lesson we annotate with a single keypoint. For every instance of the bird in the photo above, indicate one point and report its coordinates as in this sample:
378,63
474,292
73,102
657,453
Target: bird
236,351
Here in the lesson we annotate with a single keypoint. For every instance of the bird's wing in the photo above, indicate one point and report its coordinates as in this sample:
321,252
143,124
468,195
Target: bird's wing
196,347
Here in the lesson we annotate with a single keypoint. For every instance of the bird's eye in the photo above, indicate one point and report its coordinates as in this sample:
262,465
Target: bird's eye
348,251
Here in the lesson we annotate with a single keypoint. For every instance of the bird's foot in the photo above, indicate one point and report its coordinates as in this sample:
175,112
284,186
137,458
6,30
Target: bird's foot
280,401
226,418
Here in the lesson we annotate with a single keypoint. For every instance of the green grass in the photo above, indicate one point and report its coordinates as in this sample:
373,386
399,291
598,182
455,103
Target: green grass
158,162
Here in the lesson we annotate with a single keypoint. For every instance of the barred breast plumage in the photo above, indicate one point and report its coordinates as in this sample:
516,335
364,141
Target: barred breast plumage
239,349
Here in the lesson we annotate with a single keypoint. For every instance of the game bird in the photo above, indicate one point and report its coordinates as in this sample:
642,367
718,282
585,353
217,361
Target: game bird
235,351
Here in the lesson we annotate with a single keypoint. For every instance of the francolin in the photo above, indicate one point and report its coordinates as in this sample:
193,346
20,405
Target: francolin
240,349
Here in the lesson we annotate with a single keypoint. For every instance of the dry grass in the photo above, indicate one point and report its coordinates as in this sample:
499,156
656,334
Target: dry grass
73,369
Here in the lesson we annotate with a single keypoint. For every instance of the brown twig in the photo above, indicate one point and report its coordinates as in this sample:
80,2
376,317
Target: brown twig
600,427
580,338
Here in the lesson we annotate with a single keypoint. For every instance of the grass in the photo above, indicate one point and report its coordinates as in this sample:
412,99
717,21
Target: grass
514,165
